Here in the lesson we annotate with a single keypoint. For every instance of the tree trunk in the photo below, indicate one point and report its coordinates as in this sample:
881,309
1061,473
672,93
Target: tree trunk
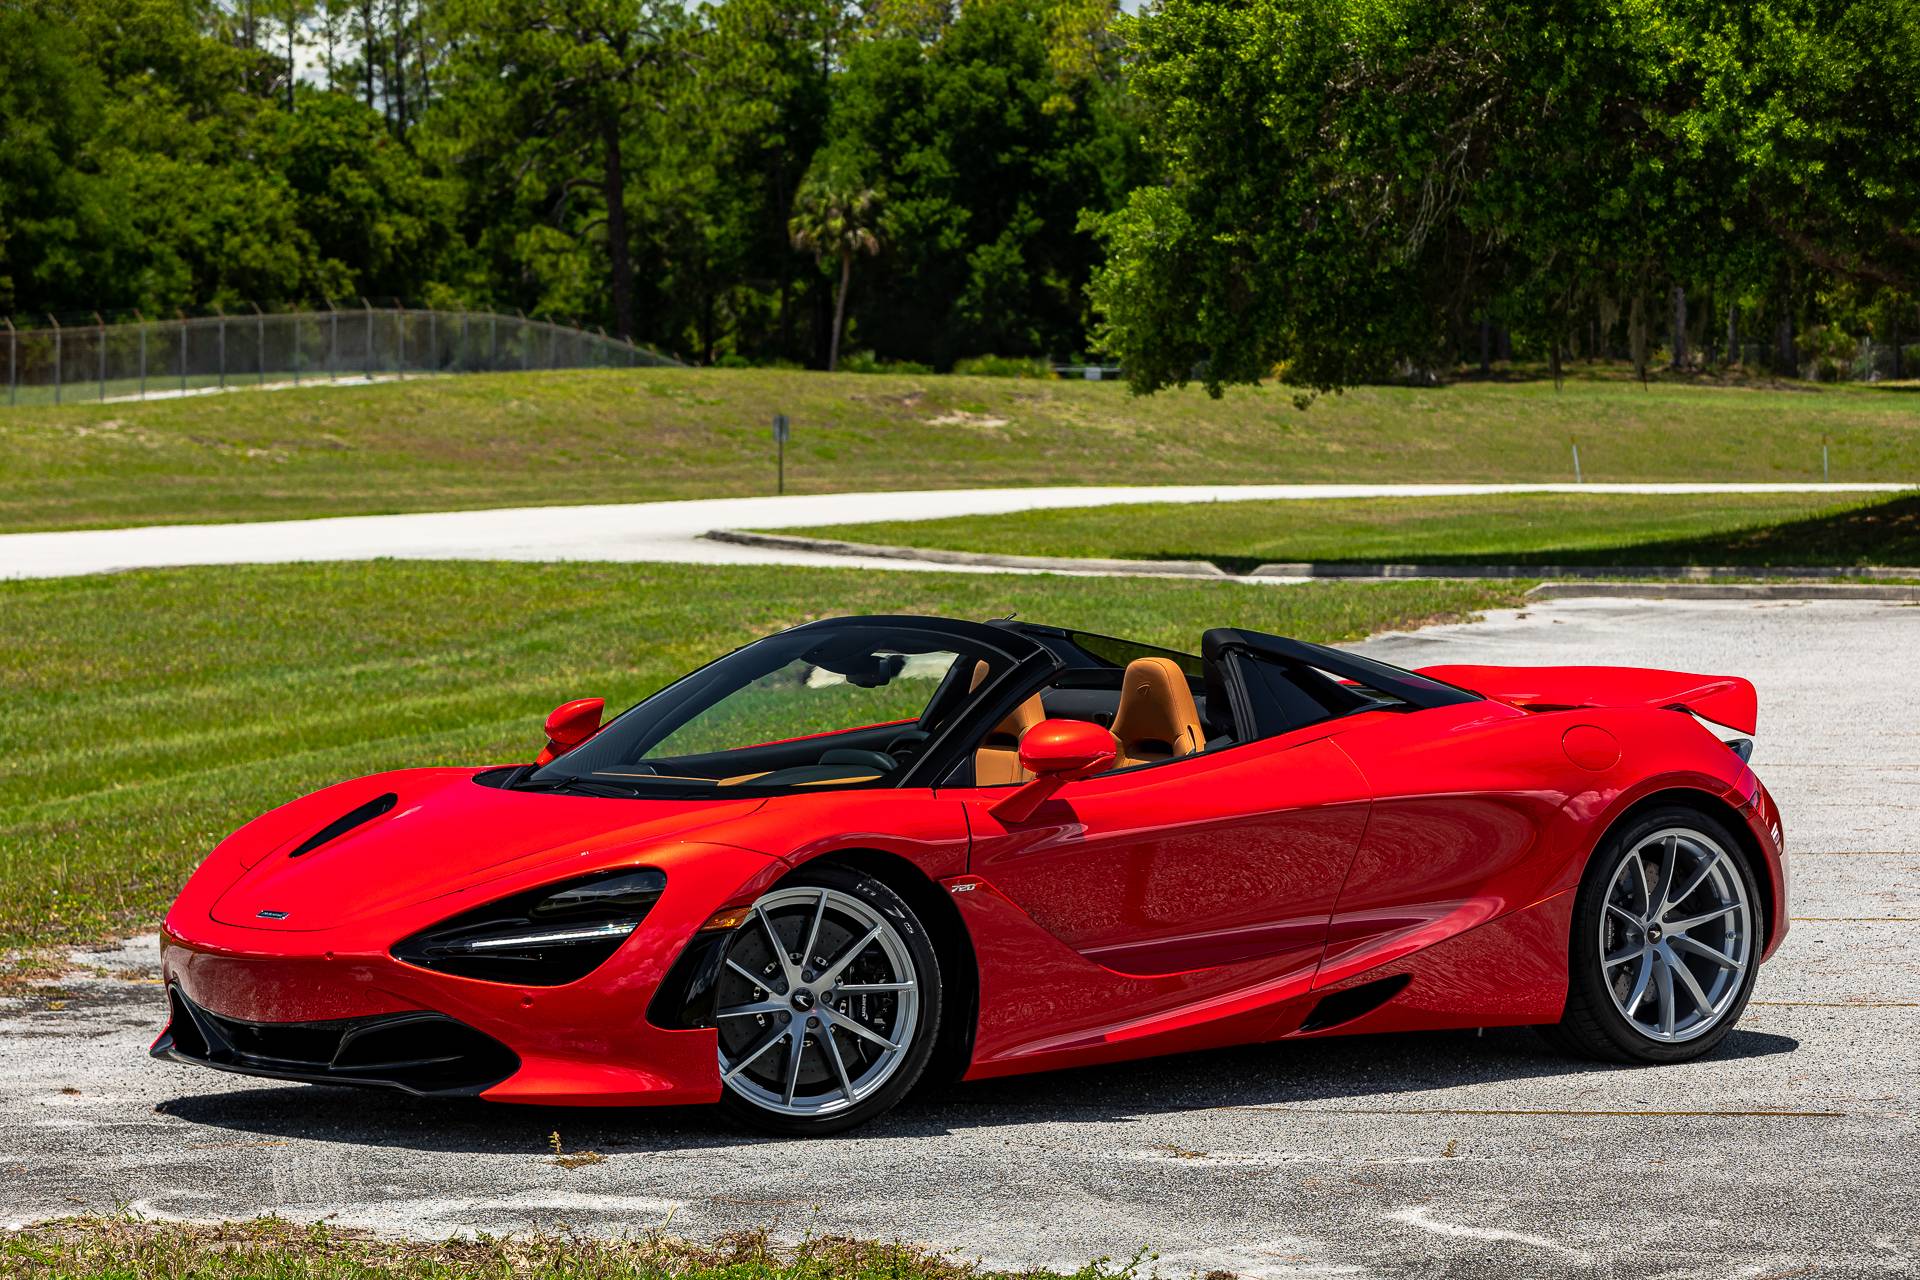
1486,347
1785,357
839,309
1899,361
619,252
1733,337
366,47
1637,334
1678,328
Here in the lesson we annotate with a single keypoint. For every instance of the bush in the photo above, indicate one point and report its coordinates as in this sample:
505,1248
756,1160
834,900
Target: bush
1003,367
867,362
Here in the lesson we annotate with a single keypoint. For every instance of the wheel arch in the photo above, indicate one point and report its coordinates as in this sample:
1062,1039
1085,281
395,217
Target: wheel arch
1712,806
952,943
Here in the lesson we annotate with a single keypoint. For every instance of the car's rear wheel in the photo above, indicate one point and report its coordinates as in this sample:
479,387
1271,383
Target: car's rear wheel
828,1005
1666,942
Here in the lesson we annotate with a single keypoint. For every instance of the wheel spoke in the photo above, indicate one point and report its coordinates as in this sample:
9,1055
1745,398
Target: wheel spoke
756,979
838,1019
857,988
813,931
1613,961
1699,879
1657,902
1640,981
787,970
1663,978
1692,984
1675,927
839,1063
1640,883
847,957
1704,951
773,1038
1626,915
796,1045
747,1010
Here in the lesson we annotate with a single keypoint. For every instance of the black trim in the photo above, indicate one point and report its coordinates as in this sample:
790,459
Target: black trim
1354,1002
1416,691
347,822
424,1053
685,997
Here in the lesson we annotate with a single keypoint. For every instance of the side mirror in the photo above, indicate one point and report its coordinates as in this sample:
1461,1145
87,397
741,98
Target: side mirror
1056,752
569,725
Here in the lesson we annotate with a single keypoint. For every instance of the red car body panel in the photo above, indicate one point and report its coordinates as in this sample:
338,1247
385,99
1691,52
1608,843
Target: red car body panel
1214,899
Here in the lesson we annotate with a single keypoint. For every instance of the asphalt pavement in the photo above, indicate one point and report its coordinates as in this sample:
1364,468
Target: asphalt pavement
672,531
1793,1150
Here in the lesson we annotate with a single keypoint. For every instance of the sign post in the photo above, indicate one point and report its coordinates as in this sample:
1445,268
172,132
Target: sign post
782,428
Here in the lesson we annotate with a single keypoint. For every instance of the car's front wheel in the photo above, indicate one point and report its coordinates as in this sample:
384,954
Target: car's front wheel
1666,942
828,1004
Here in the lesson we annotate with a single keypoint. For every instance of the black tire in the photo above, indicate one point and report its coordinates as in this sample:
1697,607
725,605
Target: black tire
745,1102
1594,1024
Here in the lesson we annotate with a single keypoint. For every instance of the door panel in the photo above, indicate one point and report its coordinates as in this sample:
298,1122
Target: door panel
1211,860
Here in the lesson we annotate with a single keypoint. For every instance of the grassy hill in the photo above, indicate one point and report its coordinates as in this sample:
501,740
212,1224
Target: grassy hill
631,435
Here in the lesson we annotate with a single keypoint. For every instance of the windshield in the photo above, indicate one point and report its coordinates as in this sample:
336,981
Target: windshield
820,706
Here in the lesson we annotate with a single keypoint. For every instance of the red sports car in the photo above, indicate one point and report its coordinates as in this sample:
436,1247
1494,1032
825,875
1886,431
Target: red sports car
800,878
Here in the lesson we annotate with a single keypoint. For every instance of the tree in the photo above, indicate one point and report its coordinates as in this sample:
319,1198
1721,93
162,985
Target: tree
833,219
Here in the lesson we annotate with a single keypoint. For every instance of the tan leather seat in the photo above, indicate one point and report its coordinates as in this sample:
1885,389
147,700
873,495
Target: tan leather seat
1157,718
996,762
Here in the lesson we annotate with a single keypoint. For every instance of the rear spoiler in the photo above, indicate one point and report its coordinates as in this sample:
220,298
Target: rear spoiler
1726,700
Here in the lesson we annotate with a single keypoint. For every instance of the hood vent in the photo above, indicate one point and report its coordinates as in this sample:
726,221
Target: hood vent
347,822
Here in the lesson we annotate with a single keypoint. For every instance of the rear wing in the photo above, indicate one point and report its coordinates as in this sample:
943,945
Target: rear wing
1727,700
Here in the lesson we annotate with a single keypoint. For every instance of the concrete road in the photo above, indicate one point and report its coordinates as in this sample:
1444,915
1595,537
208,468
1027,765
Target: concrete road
1792,1151
671,531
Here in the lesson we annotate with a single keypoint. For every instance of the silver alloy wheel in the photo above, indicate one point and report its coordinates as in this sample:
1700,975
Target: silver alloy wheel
1676,937
817,1003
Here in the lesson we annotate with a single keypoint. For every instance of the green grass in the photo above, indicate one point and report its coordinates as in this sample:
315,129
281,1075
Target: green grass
149,714
274,1249
1536,528
630,435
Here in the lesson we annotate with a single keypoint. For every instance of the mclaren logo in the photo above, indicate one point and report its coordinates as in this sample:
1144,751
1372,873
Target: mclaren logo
271,915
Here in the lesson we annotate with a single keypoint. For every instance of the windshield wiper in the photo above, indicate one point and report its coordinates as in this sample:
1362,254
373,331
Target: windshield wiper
584,786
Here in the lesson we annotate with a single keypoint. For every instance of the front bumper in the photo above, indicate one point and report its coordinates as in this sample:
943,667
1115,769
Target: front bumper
333,1006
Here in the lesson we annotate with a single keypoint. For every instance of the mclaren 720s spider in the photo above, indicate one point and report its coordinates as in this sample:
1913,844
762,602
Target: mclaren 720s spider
868,850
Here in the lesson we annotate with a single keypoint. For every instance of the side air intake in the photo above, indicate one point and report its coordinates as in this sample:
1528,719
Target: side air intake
1345,1006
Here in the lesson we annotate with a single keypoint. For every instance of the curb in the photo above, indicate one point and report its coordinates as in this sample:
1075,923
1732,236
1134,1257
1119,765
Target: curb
1908,594
1676,573
983,559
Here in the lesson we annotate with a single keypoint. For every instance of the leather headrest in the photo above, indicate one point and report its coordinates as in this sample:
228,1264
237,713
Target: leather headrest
1157,707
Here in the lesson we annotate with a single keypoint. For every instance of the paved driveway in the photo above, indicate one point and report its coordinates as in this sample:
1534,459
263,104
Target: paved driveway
670,531
1790,1152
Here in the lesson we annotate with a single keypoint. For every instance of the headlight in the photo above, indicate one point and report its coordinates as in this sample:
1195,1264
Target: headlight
553,935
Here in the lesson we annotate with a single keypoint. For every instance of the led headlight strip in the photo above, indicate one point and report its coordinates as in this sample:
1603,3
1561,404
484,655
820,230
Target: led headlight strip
546,937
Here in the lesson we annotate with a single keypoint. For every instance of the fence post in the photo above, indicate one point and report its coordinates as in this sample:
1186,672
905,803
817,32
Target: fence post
57,343
433,340
493,342
333,341
400,340
223,345
526,346
13,361
100,344
368,308
464,317
143,353
259,345
183,349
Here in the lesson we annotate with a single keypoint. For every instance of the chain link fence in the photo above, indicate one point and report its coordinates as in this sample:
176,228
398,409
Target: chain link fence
149,359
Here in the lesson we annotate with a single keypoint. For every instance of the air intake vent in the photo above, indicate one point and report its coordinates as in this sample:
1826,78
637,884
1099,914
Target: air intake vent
1345,1006
347,822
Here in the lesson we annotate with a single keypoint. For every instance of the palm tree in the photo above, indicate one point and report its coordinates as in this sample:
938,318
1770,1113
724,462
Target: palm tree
834,218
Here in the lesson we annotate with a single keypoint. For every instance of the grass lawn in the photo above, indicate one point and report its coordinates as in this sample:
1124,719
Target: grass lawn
1535,528
629,435
149,714
273,1249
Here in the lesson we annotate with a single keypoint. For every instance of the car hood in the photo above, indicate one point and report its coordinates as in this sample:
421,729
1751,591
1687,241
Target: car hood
439,833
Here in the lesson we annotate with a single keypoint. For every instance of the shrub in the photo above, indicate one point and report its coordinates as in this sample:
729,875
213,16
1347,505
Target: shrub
867,362
1004,367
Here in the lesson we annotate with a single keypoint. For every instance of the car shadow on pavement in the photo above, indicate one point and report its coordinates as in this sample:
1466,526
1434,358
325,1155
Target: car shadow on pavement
1386,1072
